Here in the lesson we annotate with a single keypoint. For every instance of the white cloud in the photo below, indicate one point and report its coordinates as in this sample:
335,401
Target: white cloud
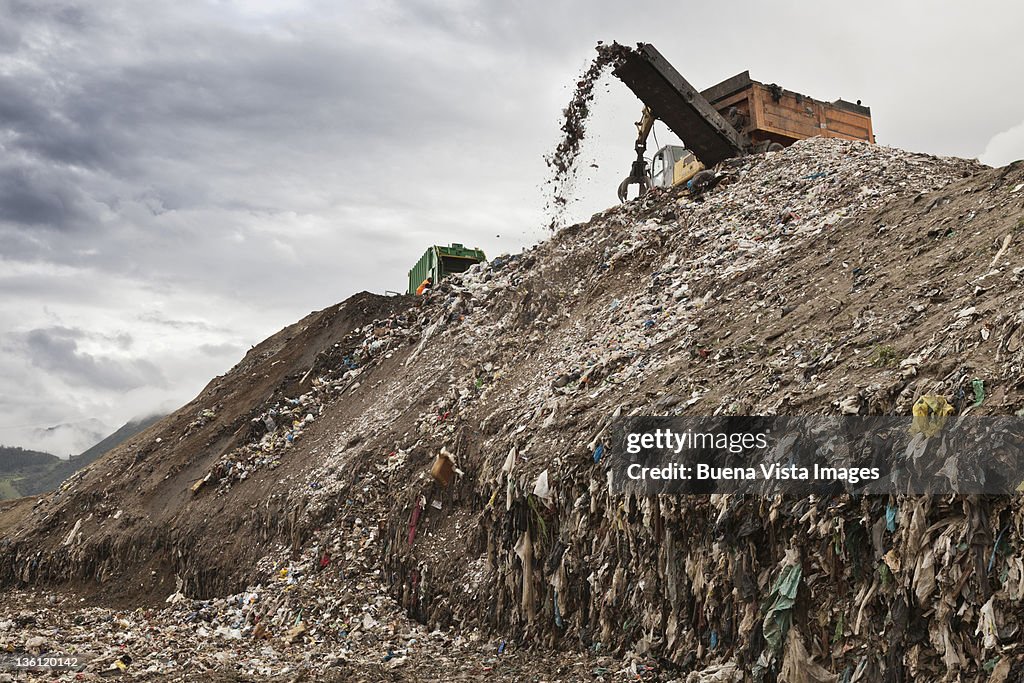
1004,147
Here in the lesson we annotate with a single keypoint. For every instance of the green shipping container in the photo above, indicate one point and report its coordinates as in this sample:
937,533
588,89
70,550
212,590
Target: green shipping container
438,262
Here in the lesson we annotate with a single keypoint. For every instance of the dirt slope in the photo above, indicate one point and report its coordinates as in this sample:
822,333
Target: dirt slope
140,523
832,277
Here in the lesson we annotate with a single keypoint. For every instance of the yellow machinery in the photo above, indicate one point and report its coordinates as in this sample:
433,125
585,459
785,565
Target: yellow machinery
674,165
671,165
735,117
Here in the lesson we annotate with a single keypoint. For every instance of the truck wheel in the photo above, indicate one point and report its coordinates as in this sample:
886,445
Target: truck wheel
775,147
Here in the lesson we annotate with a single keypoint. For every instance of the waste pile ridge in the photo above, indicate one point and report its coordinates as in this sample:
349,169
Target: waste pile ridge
831,278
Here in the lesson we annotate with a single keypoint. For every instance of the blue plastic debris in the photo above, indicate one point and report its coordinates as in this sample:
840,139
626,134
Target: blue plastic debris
995,548
598,452
890,517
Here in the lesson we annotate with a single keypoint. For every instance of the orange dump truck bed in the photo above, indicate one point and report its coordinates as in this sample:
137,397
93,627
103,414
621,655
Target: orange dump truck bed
737,116
770,113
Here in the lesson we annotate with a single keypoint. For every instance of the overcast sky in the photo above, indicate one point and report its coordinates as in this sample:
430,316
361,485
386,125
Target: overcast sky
178,180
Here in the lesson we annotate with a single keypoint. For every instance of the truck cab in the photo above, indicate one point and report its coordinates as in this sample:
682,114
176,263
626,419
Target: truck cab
439,261
673,165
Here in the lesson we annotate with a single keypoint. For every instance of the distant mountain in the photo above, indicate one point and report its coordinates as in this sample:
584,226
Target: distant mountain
14,458
27,473
19,466
69,438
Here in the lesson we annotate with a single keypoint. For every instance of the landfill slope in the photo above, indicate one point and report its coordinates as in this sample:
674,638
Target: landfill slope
136,522
831,278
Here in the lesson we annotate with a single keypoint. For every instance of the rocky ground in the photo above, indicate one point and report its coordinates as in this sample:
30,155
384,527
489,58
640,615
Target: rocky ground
285,523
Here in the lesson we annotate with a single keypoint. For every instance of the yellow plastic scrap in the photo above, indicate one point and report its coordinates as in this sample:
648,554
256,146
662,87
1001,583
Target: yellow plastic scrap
930,412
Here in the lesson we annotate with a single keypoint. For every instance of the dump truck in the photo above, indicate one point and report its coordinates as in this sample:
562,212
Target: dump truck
735,117
438,262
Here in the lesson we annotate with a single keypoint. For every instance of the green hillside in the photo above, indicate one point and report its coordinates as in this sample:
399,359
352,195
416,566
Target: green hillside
27,473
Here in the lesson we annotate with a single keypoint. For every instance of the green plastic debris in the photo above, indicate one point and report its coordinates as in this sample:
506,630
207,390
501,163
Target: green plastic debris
837,635
779,614
979,392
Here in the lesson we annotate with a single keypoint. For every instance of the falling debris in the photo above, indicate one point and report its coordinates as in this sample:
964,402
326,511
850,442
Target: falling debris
564,160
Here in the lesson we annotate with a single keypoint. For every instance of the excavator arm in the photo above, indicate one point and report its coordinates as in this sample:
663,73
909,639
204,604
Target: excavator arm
639,174
671,99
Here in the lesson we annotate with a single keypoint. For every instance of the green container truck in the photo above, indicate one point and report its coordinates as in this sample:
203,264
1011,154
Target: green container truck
438,262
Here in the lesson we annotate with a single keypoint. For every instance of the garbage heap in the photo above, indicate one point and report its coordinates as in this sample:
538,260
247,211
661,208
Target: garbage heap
453,473
832,278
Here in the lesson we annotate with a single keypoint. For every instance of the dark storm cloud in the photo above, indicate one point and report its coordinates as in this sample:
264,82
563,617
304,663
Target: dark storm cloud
215,81
39,196
55,350
180,150
199,108
10,39
18,107
60,12
42,123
